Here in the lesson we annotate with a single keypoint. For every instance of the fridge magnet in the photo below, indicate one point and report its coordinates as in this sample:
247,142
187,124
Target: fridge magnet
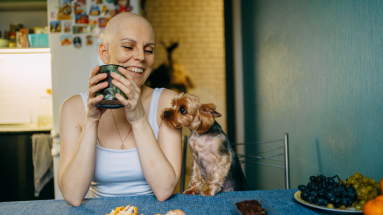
64,12
79,8
89,40
104,10
78,29
82,19
94,10
67,25
92,23
66,40
109,1
82,1
55,26
99,1
68,2
81,29
77,42
120,6
102,21
123,6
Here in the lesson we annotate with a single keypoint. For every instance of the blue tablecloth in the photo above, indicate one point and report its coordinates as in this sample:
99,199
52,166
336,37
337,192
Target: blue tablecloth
281,200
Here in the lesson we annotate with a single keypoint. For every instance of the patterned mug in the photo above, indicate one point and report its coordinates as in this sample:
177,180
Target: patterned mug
110,101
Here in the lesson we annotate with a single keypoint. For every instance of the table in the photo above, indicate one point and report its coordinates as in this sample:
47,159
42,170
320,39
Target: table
281,200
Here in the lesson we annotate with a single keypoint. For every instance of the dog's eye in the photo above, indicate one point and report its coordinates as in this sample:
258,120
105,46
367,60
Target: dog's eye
182,110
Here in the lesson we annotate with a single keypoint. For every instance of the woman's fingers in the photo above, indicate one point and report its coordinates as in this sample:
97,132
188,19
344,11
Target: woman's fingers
95,100
94,72
128,76
95,88
125,85
121,79
96,79
126,102
126,90
128,86
95,85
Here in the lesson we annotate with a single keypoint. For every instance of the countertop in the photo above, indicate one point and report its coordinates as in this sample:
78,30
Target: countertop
17,128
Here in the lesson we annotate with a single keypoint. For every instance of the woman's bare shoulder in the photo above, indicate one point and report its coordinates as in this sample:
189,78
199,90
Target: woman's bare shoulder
166,98
73,109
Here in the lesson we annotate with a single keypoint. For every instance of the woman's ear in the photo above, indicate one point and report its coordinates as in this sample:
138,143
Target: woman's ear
103,53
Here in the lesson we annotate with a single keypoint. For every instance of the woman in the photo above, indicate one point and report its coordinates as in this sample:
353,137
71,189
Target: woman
126,151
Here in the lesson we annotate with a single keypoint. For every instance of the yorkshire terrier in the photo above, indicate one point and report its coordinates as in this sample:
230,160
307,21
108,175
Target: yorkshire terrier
214,157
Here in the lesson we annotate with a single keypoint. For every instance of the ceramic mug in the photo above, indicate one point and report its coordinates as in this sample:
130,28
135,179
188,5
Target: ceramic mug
110,101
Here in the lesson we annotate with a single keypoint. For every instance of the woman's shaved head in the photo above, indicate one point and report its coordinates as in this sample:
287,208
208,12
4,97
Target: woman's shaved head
125,21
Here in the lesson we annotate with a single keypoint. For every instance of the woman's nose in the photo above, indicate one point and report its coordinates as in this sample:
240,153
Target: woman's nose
139,55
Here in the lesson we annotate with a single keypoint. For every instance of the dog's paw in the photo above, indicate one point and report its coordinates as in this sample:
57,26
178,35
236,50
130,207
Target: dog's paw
191,192
208,192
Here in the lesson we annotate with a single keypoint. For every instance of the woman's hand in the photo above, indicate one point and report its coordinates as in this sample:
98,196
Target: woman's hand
93,112
134,111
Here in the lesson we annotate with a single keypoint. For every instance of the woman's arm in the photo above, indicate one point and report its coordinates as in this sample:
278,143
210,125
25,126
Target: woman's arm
160,161
77,152
78,138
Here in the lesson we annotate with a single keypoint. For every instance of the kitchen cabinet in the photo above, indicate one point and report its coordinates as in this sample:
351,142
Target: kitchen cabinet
16,167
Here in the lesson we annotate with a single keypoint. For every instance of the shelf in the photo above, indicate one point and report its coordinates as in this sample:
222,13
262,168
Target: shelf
23,6
24,50
11,128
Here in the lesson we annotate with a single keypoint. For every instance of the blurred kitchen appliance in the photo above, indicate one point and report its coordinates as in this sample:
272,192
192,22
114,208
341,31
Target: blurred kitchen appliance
72,62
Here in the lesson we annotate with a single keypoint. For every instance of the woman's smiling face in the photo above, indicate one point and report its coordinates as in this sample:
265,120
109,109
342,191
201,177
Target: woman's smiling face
130,42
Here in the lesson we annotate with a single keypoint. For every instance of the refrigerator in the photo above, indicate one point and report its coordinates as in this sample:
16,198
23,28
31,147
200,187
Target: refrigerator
76,30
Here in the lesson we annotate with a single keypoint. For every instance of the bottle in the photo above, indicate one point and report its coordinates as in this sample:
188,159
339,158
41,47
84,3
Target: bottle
45,111
12,38
18,45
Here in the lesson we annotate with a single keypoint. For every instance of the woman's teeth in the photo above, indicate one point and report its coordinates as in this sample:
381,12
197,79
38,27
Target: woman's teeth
136,70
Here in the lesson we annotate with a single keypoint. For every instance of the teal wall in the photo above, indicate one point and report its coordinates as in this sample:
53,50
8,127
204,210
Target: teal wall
314,69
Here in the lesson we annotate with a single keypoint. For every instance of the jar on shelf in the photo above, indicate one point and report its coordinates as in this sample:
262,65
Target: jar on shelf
45,112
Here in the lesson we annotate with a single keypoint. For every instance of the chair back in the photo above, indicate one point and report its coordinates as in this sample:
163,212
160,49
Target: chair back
253,158
258,158
183,170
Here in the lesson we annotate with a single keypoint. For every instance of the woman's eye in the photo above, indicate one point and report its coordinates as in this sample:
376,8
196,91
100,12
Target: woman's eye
182,110
149,51
128,47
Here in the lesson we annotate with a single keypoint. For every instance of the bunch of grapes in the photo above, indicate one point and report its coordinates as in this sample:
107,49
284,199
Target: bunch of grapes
366,189
324,191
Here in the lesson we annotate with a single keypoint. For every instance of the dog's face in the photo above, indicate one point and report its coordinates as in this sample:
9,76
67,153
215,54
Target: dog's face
187,111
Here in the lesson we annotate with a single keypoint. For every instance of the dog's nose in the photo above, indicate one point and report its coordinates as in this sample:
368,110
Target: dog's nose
166,114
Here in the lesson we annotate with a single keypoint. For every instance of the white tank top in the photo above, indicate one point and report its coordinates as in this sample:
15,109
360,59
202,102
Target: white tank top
118,172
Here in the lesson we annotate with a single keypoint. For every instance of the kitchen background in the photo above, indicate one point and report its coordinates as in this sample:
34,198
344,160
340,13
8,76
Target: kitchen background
199,55
312,69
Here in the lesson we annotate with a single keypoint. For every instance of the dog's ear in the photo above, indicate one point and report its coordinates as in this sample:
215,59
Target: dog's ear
205,122
209,109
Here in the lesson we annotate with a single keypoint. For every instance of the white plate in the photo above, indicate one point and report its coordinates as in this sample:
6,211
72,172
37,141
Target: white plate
350,210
